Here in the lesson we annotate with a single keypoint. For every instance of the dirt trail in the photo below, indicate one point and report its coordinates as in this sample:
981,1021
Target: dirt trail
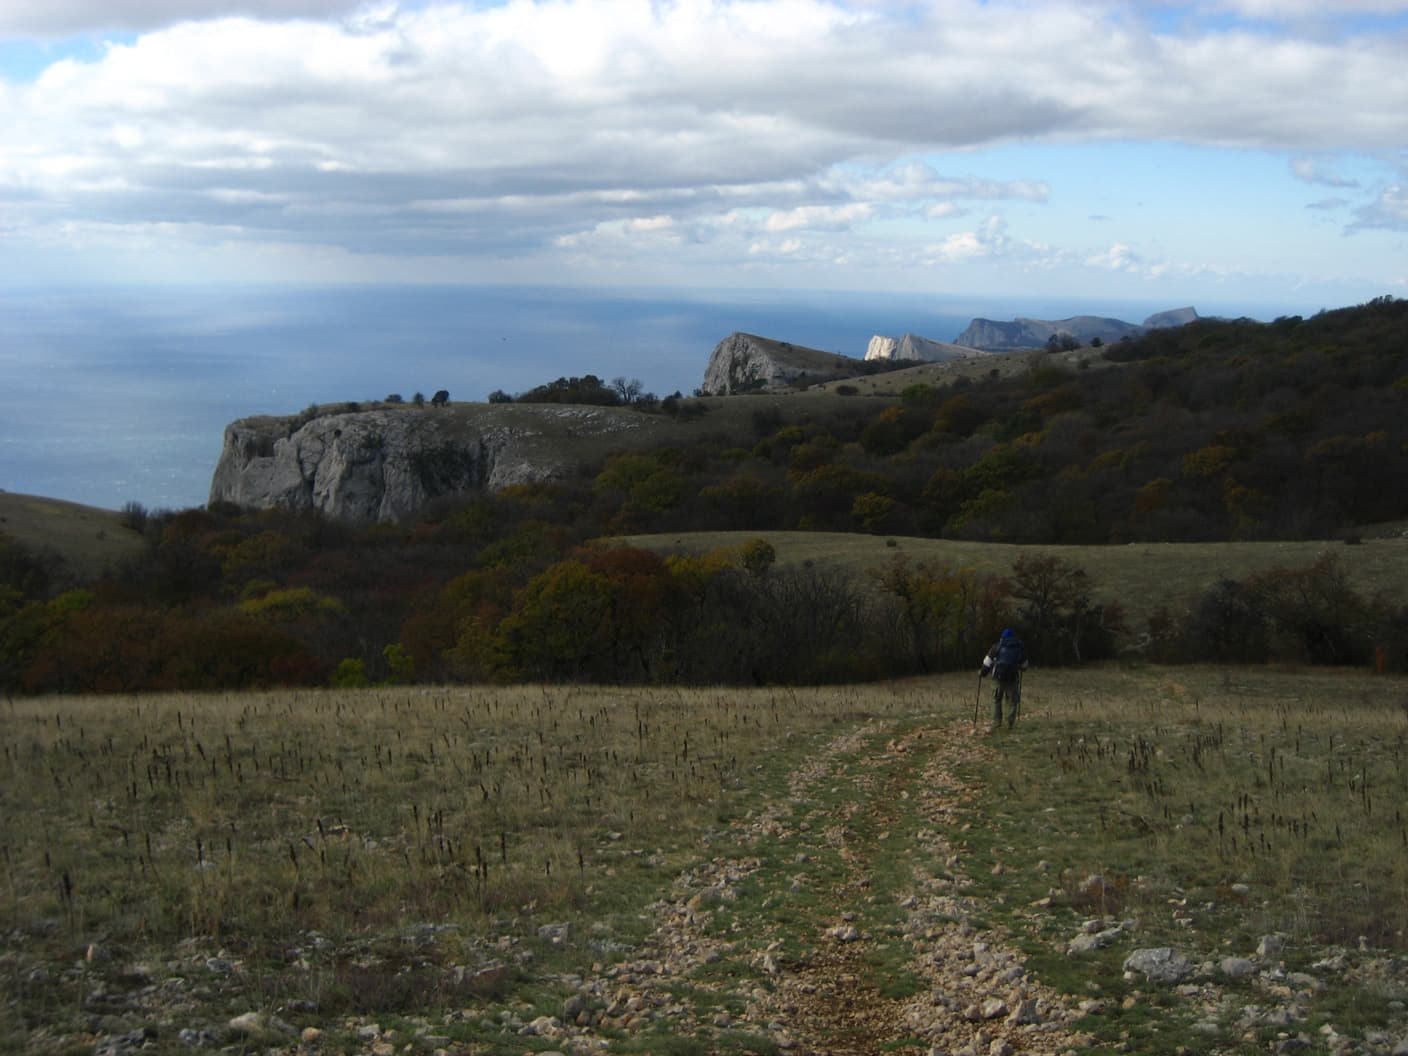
883,949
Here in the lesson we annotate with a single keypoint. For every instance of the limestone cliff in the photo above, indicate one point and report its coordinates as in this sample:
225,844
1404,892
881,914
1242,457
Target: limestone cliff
387,463
911,347
748,363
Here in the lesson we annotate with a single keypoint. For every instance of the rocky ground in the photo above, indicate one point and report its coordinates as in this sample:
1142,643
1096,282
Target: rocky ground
841,919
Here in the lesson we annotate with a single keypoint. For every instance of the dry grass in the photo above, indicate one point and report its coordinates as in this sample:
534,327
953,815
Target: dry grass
372,852
261,815
89,539
1140,576
1226,802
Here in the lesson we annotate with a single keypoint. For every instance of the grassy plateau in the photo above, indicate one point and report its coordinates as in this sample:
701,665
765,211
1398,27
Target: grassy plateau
438,869
1141,576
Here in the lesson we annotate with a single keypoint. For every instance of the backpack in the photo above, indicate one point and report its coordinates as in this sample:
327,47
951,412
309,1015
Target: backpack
1008,659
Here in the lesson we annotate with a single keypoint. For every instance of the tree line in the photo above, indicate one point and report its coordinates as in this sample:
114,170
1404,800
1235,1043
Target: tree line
229,599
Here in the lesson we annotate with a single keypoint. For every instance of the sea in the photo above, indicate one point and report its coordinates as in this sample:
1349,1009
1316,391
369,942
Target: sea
111,395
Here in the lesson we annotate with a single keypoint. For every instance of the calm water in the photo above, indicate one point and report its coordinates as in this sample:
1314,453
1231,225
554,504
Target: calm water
109,396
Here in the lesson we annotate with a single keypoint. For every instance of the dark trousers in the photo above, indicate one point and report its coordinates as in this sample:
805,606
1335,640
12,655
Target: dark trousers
1012,690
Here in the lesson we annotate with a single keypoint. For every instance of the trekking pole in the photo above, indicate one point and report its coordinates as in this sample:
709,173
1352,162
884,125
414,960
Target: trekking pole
977,698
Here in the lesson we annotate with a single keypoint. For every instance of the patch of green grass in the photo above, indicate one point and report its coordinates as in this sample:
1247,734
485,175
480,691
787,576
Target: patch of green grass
901,1044
665,1045
743,1042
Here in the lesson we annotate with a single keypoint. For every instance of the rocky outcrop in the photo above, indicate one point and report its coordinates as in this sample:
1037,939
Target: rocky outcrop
994,336
387,463
1172,317
1035,333
748,363
911,347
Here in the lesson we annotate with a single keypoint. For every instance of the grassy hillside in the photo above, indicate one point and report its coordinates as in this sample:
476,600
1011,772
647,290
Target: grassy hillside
1141,576
89,540
494,871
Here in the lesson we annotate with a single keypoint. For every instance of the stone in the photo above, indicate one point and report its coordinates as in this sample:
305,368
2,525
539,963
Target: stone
542,1027
1161,964
259,1026
1270,946
1088,941
993,1008
1025,1014
555,934
1236,967
123,1044
311,1036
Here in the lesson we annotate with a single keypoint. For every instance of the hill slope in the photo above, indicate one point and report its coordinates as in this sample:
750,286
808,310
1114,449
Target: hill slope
87,539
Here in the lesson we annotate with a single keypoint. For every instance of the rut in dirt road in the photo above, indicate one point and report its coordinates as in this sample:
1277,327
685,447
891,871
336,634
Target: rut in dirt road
967,993
846,929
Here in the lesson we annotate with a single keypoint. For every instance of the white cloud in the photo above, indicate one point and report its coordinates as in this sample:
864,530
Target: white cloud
1310,171
649,224
818,216
1117,257
961,246
64,17
516,130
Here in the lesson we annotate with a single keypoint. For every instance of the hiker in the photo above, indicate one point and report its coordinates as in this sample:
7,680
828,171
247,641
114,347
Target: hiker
1006,661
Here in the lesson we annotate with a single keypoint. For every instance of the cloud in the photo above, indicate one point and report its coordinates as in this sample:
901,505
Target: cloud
521,129
1117,257
944,210
1301,9
1314,172
818,216
1389,211
58,18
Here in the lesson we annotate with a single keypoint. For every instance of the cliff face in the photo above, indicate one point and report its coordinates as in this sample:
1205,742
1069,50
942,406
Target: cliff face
748,363
385,464
912,347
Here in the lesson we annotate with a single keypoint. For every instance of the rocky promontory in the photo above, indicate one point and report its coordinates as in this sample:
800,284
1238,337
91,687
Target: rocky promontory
386,463
748,363
993,336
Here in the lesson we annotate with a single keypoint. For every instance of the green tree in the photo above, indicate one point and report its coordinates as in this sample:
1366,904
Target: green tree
351,673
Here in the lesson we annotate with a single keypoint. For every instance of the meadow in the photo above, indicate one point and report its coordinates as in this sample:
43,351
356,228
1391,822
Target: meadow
443,866
1140,576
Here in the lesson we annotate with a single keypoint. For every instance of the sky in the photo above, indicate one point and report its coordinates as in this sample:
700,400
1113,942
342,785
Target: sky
1217,151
